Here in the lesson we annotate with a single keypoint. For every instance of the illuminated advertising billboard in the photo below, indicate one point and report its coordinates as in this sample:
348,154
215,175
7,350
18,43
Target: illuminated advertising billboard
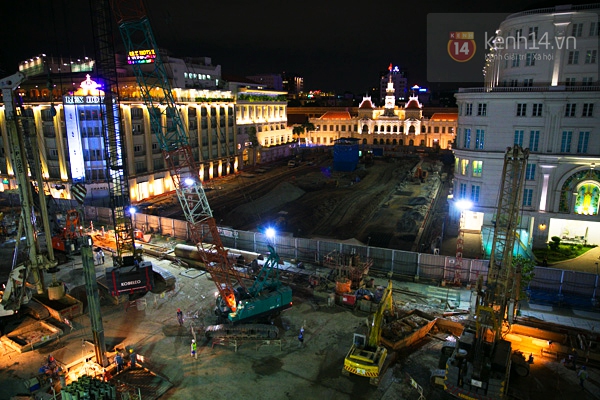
141,56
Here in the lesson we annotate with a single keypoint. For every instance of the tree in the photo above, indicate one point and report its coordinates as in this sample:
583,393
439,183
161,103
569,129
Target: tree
252,138
525,266
308,126
297,131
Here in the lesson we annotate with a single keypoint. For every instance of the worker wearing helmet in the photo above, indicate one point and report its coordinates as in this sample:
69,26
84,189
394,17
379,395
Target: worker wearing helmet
179,317
194,353
132,358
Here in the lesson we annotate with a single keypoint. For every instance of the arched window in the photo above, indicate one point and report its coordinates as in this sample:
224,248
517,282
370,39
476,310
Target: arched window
586,202
394,142
411,142
374,141
401,128
375,129
389,129
401,142
387,141
365,129
395,130
364,141
422,129
411,129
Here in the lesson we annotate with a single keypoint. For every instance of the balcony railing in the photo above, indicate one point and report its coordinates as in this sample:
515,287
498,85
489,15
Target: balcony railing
501,89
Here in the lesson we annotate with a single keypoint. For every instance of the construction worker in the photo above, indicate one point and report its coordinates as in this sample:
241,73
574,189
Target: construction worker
301,338
582,375
179,317
132,358
119,362
194,353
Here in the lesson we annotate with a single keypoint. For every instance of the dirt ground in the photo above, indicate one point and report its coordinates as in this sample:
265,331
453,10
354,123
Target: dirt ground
379,204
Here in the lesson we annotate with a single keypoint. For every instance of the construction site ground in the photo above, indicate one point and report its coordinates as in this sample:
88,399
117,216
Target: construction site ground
384,207
276,369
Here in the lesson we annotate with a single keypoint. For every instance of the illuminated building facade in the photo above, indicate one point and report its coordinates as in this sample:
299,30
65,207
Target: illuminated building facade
390,126
546,100
67,121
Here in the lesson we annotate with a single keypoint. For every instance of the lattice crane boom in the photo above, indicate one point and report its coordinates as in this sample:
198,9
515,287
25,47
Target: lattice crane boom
168,127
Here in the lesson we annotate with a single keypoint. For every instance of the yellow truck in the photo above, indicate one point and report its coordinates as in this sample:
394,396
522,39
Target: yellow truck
367,357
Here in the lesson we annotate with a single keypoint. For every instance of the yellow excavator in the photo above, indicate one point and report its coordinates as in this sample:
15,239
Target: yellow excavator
369,358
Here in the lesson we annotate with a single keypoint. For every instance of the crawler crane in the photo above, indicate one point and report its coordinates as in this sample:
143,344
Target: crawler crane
480,362
236,302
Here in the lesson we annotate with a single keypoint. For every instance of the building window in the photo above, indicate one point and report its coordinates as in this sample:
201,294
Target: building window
573,57
477,168
482,109
576,30
570,82
475,189
594,29
527,197
528,82
518,33
137,149
515,61
530,172
519,137
479,139
530,60
158,163
582,143
464,167
462,191
587,81
588,110
468,109
534,140
570,109
521,110
533,32
537,110
590,56
565,143
467,141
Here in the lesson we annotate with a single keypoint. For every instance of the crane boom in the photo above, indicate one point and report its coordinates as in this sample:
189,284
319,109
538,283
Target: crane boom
173,141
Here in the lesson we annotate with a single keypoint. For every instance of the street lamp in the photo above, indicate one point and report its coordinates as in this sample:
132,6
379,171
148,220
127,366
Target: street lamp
542,227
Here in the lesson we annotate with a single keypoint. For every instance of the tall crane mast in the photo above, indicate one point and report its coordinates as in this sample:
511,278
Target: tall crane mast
127,261
14,295
481,361
153,81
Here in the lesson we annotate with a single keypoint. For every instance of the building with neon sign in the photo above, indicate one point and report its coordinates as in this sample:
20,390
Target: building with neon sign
67,120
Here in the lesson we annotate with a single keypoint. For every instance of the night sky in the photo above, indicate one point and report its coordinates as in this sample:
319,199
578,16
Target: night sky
335,45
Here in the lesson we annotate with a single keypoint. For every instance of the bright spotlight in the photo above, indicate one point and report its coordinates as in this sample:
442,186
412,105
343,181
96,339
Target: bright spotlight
132,210
188,181
270,232
464,205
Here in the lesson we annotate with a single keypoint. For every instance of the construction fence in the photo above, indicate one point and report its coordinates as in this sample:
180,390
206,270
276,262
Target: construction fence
549,285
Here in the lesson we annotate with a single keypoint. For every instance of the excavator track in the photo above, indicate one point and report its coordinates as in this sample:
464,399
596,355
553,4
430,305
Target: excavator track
242,331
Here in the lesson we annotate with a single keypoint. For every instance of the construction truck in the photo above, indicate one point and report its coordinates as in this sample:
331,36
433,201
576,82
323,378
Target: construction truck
267,296
479,363
367,357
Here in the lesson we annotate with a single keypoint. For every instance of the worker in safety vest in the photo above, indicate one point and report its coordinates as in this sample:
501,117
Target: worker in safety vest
194,353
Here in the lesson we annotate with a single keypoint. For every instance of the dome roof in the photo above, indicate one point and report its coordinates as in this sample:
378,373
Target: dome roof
366,104
413,104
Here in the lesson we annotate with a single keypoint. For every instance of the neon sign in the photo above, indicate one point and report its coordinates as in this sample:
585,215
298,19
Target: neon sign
141,56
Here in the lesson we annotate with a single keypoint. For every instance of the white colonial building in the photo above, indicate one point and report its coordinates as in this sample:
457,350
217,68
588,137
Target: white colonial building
386,126
544,98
